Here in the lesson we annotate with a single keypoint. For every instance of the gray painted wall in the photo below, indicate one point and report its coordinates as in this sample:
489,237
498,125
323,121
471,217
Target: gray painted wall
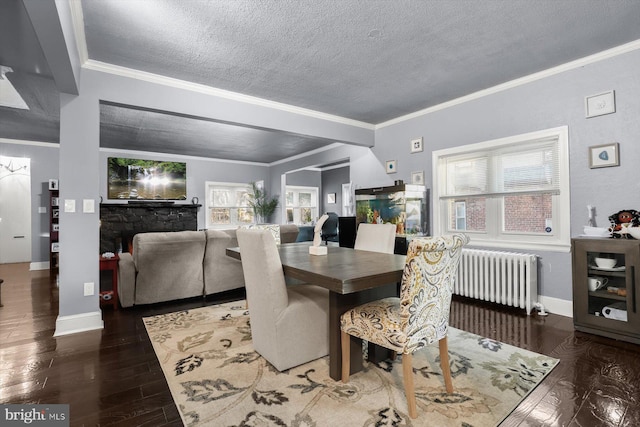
304,178
332,181
81,165
550,102
546,103
44,166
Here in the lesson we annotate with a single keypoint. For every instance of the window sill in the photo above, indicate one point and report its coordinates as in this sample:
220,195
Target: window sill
530,246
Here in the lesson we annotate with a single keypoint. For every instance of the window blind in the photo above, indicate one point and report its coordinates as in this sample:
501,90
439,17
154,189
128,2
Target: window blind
527,168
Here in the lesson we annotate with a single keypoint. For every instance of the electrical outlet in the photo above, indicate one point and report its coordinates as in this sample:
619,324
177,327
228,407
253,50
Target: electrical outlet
88,289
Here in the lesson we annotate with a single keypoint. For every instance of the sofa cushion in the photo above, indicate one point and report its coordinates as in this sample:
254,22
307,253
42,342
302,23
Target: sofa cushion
221,272
169,265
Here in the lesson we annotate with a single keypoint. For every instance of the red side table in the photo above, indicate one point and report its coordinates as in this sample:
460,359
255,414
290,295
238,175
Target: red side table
110,297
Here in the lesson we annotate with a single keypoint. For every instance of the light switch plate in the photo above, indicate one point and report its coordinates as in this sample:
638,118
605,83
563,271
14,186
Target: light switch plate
88,206
69,205
88,289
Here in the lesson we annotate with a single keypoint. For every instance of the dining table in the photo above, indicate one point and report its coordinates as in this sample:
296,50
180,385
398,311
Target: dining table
352,277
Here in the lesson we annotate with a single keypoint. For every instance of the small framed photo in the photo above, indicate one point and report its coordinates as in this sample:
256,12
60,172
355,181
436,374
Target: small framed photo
600,104
604,156
331,198
55,247
416,145
417,178
53,184
55,227
391,166
55,201
55,213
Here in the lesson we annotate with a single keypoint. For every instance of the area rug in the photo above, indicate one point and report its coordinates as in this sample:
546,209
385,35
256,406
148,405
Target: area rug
217,379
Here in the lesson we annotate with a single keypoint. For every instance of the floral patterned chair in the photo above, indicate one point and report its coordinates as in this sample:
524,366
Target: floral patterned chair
419,317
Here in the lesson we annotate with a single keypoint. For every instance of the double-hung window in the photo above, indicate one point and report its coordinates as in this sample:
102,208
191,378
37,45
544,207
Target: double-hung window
302,204
512,192
227,204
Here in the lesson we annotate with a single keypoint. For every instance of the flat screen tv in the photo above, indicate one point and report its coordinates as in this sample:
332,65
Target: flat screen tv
136,179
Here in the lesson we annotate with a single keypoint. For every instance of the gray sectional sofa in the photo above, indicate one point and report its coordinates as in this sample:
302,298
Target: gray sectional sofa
167,266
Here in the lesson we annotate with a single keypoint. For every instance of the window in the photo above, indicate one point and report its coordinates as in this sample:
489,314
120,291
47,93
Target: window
302,204
227,204
460,216
511,192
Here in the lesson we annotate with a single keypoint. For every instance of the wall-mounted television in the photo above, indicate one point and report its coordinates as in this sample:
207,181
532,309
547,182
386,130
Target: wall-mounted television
137,179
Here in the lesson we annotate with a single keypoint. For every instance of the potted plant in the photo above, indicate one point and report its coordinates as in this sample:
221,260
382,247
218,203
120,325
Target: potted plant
263,206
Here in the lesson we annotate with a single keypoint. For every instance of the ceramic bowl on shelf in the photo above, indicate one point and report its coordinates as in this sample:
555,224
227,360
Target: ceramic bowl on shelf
634,231
605,262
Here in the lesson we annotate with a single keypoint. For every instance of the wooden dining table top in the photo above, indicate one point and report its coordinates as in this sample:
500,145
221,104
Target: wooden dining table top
341,270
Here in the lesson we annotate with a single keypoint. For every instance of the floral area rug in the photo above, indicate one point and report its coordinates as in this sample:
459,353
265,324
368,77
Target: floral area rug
217,379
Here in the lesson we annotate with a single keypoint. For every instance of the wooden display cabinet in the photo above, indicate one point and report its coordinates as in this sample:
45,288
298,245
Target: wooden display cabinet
611,311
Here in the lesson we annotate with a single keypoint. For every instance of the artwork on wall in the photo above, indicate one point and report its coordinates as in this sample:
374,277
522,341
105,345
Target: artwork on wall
603,156
417,178
53,184
140,179
600,104
331,198
416,145
391,166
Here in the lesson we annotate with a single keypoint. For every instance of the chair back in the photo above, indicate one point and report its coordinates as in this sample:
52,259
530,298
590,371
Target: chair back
427,285
330,227
263,278
376,238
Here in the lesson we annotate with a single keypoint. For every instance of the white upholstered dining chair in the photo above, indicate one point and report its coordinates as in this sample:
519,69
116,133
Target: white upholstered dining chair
289,324
376,237
419,317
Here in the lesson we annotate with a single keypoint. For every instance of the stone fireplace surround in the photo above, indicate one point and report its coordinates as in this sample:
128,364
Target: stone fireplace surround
119,222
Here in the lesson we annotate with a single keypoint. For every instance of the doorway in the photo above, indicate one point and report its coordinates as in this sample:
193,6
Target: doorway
15,210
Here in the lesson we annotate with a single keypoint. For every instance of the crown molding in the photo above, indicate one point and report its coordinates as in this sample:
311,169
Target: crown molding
91,64
34,143
77,18
578,63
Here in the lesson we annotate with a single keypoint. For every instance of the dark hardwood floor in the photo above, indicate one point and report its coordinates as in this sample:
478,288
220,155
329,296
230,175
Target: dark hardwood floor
112,376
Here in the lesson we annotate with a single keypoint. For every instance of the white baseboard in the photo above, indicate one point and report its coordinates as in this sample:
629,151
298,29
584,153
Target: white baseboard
42,265
557,306
75,323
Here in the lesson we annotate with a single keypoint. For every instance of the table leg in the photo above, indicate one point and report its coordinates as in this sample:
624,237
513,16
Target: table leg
338,304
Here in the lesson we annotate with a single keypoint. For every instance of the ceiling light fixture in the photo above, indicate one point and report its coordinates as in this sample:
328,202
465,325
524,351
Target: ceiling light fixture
9,96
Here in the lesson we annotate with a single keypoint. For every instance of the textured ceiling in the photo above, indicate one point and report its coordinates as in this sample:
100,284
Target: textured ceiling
123,127
367,60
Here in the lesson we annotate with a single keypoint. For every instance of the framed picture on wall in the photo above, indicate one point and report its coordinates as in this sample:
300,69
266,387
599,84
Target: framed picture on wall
331,198
390,166
600,104
417,145
417,178
604,156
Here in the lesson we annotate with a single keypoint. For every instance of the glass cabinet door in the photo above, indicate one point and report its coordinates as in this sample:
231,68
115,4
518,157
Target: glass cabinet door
604,288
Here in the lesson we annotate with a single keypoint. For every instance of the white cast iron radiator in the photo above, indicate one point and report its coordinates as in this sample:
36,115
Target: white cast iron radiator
504,277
